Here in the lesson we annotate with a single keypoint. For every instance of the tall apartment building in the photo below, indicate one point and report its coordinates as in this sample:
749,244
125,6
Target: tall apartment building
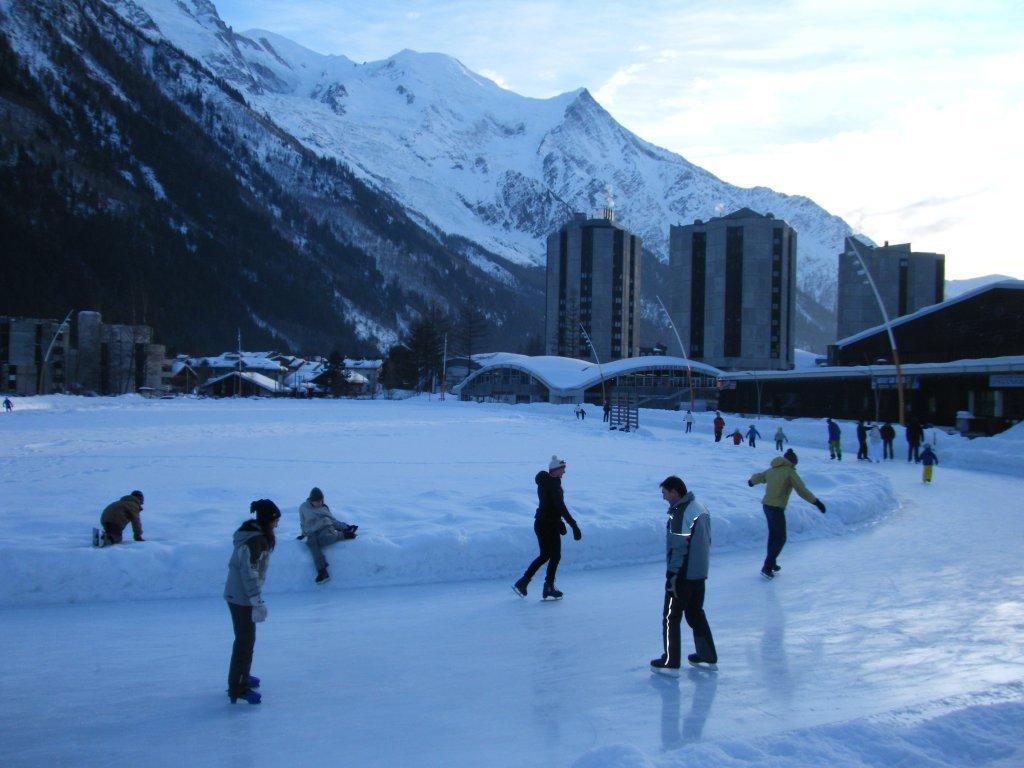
593,281
87,355
907,281
733,290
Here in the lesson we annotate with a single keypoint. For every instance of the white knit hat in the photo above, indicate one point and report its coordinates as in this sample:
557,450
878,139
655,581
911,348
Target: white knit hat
555,463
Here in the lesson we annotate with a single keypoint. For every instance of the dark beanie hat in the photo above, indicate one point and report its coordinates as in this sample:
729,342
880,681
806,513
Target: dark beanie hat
265,510
790,456
316,495
138,495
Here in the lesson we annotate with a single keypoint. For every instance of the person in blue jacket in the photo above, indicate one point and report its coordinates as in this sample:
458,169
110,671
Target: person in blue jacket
752,435
835,450
928,459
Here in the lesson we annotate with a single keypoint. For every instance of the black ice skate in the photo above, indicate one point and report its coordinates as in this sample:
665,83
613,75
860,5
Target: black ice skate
520,587
550,593
660,667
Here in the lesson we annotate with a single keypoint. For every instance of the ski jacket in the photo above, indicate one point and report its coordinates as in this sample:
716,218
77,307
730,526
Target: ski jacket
753,433
247,567
928,456
737,437
689,418
862,433
875,435
781,436
888,433
781,479
914,434
551,507
688,539
313,519
719,423
833,431
127,509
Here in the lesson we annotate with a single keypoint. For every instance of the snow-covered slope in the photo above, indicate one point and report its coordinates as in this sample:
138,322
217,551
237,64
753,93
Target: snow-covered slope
955,287
469,158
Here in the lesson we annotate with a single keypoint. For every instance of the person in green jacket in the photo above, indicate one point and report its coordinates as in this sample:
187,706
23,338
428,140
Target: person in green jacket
781,480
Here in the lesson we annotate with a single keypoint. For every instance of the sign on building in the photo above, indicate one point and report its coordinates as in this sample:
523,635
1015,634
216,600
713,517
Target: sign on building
1005,380
889,382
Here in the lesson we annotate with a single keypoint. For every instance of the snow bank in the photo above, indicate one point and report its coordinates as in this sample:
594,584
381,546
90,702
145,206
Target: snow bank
973,735
441,491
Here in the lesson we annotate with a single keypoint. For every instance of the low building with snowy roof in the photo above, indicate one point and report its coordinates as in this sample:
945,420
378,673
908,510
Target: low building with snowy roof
368,368
243,384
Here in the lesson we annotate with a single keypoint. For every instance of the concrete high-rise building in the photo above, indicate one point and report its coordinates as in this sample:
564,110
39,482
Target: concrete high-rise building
593,280
907,281
733,290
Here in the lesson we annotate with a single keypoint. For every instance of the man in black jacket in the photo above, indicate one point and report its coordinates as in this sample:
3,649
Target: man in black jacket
862,441
915,433
549,527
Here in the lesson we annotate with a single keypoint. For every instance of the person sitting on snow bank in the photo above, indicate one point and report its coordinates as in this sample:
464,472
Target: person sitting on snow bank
320,529
117,515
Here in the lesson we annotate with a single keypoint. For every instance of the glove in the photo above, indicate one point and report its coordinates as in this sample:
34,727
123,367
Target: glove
820,505
577,533
670,583
259,611
349,531
750,483
300,537
561,526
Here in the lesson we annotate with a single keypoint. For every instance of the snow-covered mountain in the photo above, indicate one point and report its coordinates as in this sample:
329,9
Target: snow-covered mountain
469,158
955,287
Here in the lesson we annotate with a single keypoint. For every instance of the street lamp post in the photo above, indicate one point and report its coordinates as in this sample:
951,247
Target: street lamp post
866,273
46,357
689,369
600,371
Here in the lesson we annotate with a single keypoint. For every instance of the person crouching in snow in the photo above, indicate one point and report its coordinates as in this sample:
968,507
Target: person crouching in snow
549,527
687,557
247,570
117,515
781,479
321,529
928,459
737,437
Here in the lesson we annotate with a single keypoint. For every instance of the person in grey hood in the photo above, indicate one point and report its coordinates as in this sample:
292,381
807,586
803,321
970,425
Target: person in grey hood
688,556
247,569
320,529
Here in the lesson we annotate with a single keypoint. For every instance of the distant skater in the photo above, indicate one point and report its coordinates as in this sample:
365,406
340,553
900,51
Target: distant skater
780,438
321,529
835,449
781,480
875,444
737,437
862,441
607,408
752,435
581,413
888,436
687,557
243,592
8,405
689,421
549,525
118,514
929,459
915,433
719,424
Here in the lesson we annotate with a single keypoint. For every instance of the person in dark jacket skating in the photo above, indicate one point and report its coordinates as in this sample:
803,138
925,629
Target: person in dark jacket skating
247,569
862,441
888,435
781,480
687,557
549,525
606,411
752,435
915,433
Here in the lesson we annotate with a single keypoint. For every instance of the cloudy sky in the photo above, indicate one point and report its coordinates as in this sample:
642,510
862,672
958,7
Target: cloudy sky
904,118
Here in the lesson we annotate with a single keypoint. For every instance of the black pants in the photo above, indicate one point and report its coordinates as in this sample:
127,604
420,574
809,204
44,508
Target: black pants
752,441
607,416
689,426
776,517
114,534
718,435
862,449
912,449
689,602
887,449
778,445
241,651
549,537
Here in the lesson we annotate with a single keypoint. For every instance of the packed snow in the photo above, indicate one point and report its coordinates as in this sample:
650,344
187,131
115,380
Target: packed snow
893,635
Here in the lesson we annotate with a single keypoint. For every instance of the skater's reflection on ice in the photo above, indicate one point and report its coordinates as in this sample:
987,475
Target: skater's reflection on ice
700,686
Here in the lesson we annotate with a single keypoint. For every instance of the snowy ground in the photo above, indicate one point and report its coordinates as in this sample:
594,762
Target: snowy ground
894,635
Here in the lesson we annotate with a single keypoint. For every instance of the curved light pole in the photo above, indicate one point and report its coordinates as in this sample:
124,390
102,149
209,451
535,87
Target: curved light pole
600,371
865,272
46,357
689,370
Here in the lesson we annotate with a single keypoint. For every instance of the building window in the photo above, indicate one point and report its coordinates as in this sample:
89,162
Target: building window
698,276
904,270
776,314
733,291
